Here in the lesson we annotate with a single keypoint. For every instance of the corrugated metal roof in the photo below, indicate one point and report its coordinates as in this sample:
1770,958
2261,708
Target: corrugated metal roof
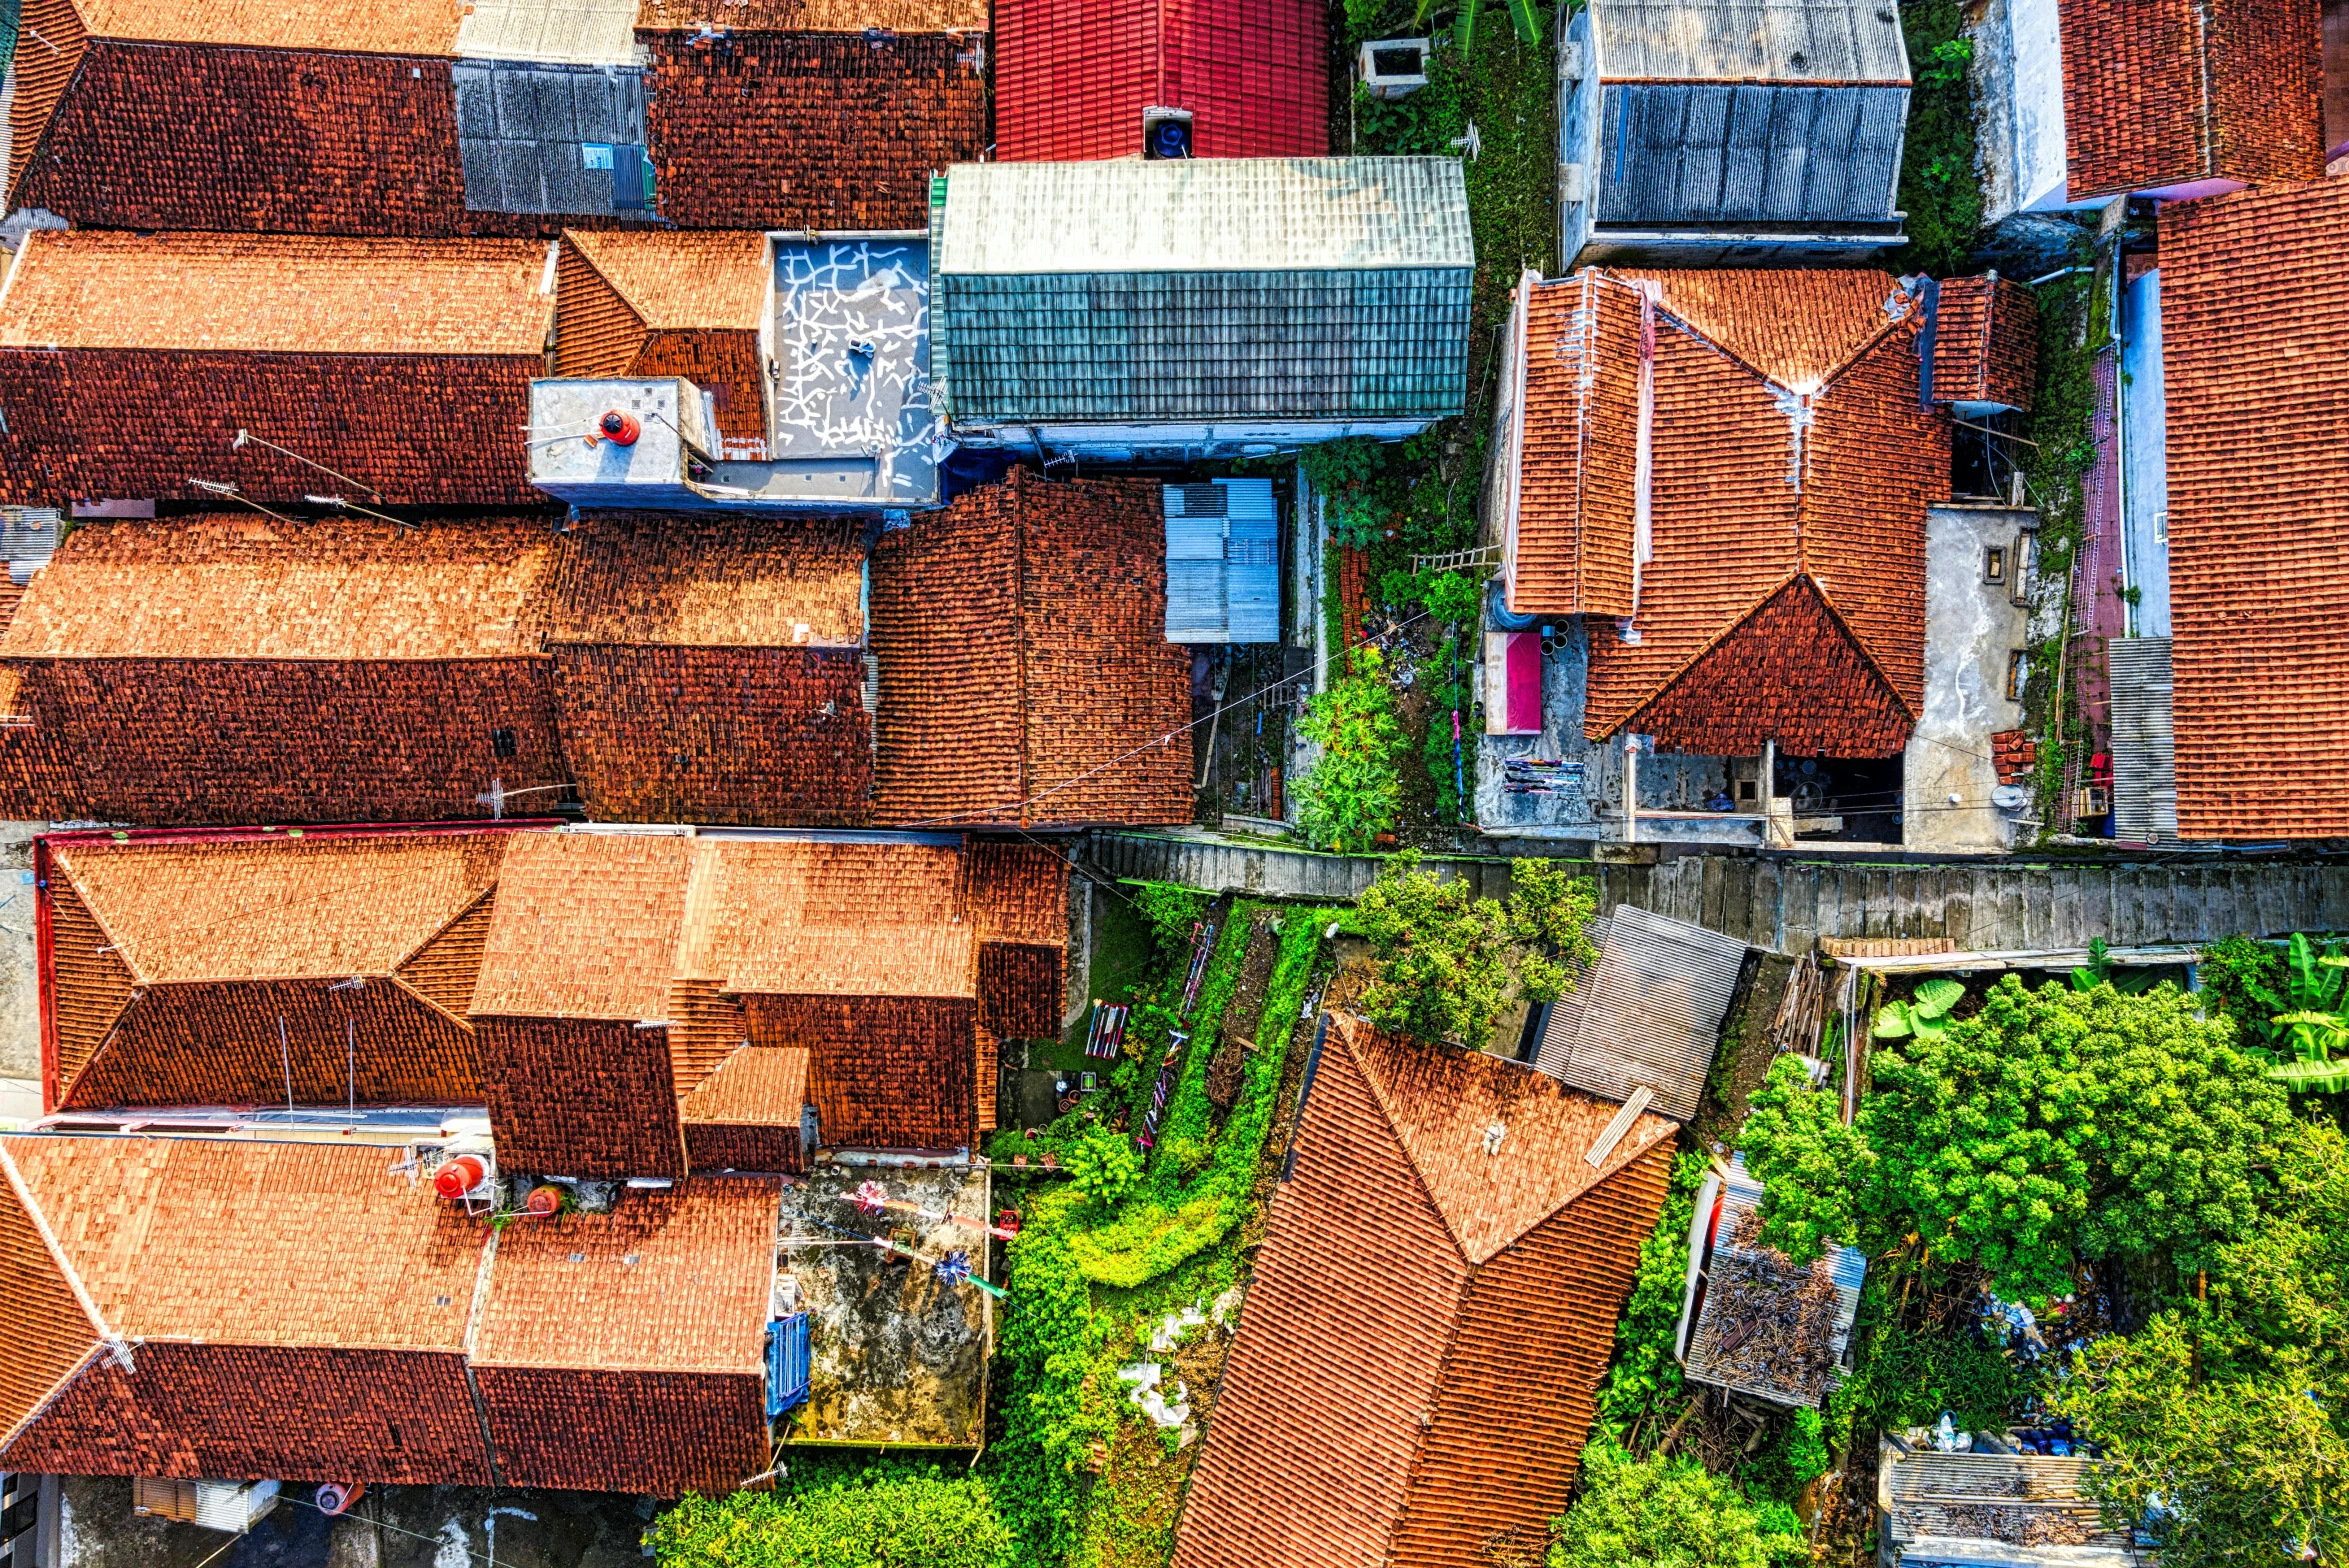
2144,751
548,138
1756,1331
1157,347
1206,215
570,32
1222,562
1649,1014
1770,41
2009,1510
1757,154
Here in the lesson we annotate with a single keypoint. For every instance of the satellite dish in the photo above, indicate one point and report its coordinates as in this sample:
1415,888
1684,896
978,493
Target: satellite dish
2010,797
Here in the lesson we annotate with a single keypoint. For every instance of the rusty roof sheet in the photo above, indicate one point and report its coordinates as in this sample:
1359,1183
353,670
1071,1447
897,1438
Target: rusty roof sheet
278,294
675,1281
241,586
683,279
220,1241
712,581
280,907
423,27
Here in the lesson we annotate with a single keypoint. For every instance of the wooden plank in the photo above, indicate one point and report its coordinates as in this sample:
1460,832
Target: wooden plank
2095,903
1876,889
1711,889
1901,916
1957,903
1827,913
2334,911
2013,895
2161,915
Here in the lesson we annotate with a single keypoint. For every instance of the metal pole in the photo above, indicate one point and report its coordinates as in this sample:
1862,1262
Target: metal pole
1630,789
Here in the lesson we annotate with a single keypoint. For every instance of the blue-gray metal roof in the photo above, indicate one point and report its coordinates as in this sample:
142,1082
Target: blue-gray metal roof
1223,562
1677,153
551,138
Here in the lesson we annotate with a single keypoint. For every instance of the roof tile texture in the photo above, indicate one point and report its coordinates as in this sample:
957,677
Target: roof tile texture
660,1433
2255,348
681,279
45,1334
1985,342
1071,81
1020,634
1578,495
586,927
345,26
661,580
809,130
1788,441
1388,1399
886,1072
2170,92
581,1096
278,294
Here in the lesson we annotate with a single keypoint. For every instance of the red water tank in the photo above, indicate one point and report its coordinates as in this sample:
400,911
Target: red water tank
543,1201
620,429
459,1176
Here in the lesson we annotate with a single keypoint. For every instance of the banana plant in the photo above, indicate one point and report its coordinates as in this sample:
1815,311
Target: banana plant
1922,1015
2099,971
2309,1032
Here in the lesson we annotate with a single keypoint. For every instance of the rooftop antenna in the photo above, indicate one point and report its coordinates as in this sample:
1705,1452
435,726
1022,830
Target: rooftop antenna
215,487
246,437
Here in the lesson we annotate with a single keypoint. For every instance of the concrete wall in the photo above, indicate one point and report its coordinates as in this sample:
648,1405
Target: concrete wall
20,1002
1970,630
2145,491
2017,79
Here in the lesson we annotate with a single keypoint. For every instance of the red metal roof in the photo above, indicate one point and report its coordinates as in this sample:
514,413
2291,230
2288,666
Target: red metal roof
1072,77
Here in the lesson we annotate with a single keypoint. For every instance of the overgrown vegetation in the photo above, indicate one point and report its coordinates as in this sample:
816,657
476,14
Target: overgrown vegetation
1661,1512
1939,189
1644,1386
1352,795
876,1519
2072,316
1450,963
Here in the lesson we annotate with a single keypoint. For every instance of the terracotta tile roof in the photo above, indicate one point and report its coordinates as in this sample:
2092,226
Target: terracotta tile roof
659,579
2175,92
2255,342
1372,1348
1444,1104
812,130
673,1281
816,918
278,908
682,278
345,26
215,1242
816,16
883,1071
611,1351
1021,640
587,926
1985,342
1071,81
582,1096
1790,446
239,586
278,294
1020,891
1577,498
757,1086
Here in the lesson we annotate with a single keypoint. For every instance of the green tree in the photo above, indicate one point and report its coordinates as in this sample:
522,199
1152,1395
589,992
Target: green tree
2245,1471
875,1520
1663,1513
1104,1166
2285,1287
2051,1126
1449,962
1355,790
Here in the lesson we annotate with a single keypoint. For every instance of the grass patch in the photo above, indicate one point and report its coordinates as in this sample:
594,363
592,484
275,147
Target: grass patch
1939,189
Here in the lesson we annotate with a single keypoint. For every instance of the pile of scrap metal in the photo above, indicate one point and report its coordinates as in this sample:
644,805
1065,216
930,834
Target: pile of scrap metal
1991,1506
1751,1321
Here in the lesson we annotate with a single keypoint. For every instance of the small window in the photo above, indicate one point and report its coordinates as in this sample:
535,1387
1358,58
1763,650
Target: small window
1746,791
502,742
2018,671
1994,565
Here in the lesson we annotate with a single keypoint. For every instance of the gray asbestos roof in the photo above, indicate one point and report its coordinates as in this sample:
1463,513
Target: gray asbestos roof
1216,289
1841,41
1206,215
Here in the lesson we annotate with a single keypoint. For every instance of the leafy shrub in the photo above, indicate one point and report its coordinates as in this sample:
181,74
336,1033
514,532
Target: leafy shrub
1172,912
875,1520
1104,1167
1353,794
1806,1446
1048,1429
1646,1375
1664,1513
1905,1379
1347,474
1454,598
